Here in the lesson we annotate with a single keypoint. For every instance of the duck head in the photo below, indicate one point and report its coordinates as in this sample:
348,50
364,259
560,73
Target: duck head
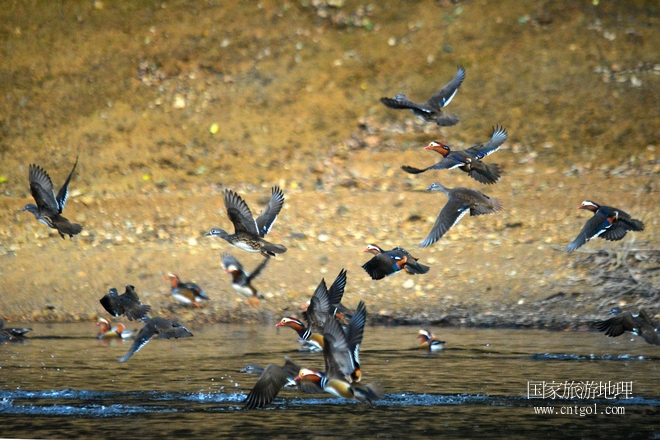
373,249
439,147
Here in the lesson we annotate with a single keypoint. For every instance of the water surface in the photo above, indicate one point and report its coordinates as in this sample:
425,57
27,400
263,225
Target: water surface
64,383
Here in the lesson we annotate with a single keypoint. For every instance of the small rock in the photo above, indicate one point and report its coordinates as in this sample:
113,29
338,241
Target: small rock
409,284
323,238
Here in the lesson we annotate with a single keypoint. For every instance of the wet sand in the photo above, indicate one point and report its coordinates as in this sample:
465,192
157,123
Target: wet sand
135,91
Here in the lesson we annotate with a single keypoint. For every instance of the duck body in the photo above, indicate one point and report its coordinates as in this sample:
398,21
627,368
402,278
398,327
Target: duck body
241,279
428,341
187,293
12,334
49,207
309,340
640,325
431,110
249,232
461,202
385,263
107,331
470,160
607,222
127,304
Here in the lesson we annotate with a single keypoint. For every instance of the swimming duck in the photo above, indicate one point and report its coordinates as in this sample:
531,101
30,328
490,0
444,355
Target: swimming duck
128,304
49,207
461,201
431,110
428,341
608,223
342,367
187,293
248,232
469,160
12,334
272,379
385,263
106,331
242,280
164,328
640,325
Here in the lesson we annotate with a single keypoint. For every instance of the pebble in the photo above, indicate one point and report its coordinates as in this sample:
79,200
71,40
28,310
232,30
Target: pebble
408,284
323,238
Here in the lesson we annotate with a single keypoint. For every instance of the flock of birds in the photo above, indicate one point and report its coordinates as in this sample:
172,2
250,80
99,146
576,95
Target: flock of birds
329,326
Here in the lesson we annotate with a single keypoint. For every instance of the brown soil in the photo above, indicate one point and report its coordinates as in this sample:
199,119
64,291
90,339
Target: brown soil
134,88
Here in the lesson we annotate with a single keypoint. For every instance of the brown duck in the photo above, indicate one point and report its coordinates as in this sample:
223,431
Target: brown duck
461,201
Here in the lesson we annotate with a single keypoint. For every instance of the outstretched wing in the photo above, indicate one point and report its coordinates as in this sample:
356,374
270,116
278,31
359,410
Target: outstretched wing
594,227
229,260
444,96
402,102
167,329
319,306
63,193
257,270
239,213
143,336
267,218
271,381
336,291
495,142
617,325
450,214
41,188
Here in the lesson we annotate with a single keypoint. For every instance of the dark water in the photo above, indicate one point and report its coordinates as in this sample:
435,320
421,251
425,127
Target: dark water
64,383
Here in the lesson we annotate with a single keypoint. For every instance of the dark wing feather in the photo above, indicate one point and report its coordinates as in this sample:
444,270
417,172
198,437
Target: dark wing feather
495,142
355,332
267,218
271,381
337,350
413,170
592,228
486,174
239,213
401,102
112,304
336,291
378,267
63,193
133,308
143,336
318,309
257,270
485,204
41,188
450,214
617,325
446,94
167,329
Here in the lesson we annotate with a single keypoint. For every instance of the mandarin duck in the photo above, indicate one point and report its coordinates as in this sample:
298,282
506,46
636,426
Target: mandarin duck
640,325
242,280
469,160
187,293
461,201
107,331
608,223
428,341
49,207
127,304
342,366
248,232
271,381
431,110
163,328
385,263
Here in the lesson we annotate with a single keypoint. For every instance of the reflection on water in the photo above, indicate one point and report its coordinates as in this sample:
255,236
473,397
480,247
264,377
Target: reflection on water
65,383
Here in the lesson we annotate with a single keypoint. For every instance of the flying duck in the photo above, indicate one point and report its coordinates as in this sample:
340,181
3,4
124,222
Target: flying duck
248,232
607,222
48,209
164,328
461,201
241,279
640,325
128,304
385,263
187,293
431,110
469,160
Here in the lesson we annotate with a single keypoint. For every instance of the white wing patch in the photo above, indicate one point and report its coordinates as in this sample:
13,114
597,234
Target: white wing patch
460,216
